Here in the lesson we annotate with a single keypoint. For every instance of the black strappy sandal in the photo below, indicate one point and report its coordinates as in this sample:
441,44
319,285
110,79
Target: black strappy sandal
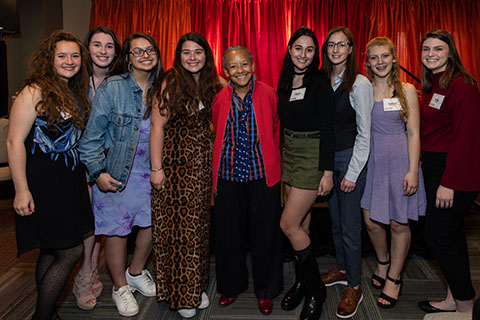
377,277
389,299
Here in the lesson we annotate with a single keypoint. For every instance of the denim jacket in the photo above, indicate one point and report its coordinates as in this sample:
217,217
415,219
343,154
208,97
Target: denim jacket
113,129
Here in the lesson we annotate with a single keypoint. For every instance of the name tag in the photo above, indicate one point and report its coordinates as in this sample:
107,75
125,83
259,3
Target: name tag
391,104
437,100
201,106
298,94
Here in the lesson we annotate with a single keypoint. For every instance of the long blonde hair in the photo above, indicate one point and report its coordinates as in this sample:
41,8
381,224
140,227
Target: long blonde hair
394,78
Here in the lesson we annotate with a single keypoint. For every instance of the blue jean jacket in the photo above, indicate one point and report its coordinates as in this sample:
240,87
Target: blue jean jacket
113,129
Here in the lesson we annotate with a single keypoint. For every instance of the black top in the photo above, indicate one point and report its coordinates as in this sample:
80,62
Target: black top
345,121
315,112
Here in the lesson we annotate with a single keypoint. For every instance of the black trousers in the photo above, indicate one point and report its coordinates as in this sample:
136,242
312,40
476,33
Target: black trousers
248,211
445,230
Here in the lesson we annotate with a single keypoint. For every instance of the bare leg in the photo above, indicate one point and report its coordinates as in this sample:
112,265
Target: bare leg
378,237
89,244
116,255
401,237
449,303
298,205
143,247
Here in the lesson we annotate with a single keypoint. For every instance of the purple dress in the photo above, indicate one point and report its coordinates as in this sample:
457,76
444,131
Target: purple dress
387,166
117,212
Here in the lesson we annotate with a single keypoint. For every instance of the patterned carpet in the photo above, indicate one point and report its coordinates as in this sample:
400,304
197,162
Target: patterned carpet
422,280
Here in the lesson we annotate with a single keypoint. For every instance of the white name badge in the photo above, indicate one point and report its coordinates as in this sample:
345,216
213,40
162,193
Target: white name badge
201,106
298,94
391,104
437,100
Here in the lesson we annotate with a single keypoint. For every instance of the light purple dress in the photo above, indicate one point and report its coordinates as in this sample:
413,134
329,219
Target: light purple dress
387,166
117,212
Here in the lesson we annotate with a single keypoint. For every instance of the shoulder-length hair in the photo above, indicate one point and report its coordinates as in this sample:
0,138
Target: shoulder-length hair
181,89
351,68
58,96
116,44
454,66
286,77
394,77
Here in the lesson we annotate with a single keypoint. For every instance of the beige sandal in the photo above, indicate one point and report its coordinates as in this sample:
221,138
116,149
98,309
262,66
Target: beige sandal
82,290
97,285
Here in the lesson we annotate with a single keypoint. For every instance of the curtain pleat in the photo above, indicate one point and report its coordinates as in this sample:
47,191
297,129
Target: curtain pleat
265,26
165,20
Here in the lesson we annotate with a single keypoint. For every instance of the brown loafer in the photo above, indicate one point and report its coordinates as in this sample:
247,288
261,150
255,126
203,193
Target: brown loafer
333,277
351,299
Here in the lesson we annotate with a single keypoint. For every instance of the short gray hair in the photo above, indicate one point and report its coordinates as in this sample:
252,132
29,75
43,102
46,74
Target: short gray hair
232,48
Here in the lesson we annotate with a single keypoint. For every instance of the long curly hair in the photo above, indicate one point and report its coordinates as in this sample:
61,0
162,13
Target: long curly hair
58,96
351,68
394,78
116,44
180,87
286,77
454,64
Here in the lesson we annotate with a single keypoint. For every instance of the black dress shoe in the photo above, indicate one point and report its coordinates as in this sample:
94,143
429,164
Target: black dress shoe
428,308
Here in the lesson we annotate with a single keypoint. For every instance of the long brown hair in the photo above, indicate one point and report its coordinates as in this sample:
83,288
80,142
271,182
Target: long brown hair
351,68
180,86
58,96
454,66
394,78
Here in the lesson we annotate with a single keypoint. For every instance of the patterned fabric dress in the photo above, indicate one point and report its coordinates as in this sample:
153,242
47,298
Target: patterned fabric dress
58,185
117,212
387,166
181,212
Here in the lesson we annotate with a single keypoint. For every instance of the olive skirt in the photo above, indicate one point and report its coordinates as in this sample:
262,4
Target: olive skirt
300,159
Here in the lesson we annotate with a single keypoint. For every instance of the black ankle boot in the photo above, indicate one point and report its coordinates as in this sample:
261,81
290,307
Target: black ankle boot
315,291
295,295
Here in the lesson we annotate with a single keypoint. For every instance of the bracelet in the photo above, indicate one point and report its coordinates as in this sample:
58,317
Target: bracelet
156,170
94,176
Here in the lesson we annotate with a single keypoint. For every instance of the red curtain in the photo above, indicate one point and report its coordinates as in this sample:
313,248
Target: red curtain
265,26
165,20
407,21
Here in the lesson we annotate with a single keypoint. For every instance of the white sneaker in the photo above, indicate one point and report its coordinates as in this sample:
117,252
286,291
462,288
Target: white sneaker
125,301
187,313
205,301
142,283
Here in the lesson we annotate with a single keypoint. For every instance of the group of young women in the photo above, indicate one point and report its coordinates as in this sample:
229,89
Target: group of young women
144,138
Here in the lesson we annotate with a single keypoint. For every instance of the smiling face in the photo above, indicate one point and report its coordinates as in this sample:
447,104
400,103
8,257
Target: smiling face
67,60
302,52
239,68
101,49
338,49
435,54
146,62
380,60
192,57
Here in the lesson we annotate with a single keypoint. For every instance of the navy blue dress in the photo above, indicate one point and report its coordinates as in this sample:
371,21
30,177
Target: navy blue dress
57,181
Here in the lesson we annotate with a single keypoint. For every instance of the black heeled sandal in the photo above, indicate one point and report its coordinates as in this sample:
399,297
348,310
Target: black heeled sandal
389,299
377,277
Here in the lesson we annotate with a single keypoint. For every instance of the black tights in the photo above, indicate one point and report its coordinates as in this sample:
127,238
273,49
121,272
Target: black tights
51,275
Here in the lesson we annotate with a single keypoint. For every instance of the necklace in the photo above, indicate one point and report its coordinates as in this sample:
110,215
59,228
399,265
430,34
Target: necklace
384,92
300,73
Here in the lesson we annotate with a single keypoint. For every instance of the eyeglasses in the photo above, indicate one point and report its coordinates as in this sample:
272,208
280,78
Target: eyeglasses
340,44
139,52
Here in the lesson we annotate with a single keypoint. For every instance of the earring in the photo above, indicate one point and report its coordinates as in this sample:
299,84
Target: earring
130,67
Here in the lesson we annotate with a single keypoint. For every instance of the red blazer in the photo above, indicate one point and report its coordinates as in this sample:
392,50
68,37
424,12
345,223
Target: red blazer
268,124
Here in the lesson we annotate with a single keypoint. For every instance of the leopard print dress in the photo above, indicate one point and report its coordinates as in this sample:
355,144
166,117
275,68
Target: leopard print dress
181,212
